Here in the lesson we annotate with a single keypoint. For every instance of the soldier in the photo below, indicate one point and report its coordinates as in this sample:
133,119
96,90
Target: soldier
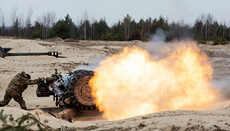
16,87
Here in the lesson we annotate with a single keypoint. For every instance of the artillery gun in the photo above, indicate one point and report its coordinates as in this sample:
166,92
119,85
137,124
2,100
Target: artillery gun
4,53
70,90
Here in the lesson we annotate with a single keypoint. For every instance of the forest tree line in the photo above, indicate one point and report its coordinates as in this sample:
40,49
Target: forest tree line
205,28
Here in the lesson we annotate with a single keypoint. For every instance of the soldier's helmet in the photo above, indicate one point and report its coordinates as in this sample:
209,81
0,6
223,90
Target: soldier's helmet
24,74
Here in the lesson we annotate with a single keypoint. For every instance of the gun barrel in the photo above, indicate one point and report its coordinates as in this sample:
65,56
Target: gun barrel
4,53
25,54
50,53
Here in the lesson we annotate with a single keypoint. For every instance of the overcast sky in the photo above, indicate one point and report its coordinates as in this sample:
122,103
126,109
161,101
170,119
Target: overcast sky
114,10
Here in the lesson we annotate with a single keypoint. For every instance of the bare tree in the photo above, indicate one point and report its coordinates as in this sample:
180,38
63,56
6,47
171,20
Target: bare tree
149,24
47,22
3,26
21,25
17,22
0,17
13,15
14,21
229,31
209,22
126,22
93,28
28,23
202,18
2,23
85,18
224,28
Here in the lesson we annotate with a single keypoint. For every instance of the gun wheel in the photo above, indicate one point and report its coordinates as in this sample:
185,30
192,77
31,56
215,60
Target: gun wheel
82,91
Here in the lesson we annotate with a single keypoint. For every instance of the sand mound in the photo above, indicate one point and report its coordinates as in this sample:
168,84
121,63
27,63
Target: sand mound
169,120
52,121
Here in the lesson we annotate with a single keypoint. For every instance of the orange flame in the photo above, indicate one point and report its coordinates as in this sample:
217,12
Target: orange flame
132,83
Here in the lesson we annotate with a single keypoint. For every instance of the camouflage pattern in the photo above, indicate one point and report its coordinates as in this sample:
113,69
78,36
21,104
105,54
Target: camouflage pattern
50,79
16,87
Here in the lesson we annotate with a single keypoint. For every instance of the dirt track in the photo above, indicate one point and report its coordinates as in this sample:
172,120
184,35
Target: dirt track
77,54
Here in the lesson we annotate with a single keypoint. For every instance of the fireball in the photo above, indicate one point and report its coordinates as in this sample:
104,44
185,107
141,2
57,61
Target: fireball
134,83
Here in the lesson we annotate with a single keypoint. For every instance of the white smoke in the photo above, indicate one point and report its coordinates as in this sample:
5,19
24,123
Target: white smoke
92,65
224,87
157,46
159,36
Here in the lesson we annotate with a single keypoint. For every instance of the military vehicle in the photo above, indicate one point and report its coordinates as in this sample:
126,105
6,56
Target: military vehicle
70,90
4,53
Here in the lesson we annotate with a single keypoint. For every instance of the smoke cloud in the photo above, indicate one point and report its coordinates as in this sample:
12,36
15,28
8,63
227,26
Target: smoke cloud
223,86
158,48
159,36
92,65
157,44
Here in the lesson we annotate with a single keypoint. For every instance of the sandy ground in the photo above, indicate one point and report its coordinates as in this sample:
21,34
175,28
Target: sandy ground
78,54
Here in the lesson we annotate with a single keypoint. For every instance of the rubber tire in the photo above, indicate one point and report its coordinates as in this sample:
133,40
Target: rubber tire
79,74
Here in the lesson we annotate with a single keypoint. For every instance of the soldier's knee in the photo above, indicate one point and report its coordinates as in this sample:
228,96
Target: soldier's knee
18,99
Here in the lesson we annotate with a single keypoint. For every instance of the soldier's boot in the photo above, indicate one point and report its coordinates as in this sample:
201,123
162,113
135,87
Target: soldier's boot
22,103
1,105
6,100
23,107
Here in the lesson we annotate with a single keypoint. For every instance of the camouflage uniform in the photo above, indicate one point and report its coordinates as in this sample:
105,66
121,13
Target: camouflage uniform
15,89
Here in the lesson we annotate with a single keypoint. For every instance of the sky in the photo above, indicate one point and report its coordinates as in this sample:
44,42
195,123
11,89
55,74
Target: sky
113,10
